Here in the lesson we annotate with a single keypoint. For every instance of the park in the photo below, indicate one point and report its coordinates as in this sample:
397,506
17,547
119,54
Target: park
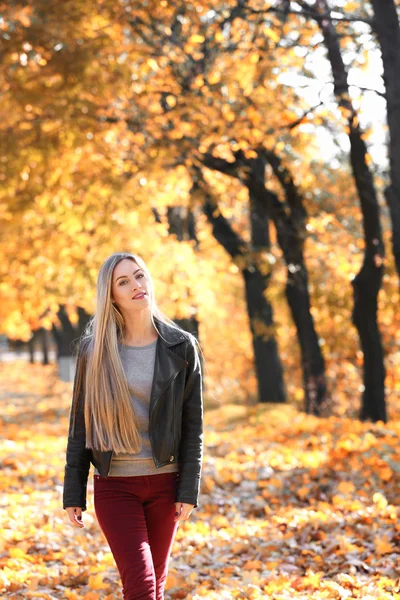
249,152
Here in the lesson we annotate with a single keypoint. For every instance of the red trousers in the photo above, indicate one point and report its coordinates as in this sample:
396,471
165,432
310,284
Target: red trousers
136,516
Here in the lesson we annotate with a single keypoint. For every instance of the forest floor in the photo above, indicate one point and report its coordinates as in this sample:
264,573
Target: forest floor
291,506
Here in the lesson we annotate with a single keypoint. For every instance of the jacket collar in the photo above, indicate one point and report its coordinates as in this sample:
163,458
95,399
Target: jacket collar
167,363
170,335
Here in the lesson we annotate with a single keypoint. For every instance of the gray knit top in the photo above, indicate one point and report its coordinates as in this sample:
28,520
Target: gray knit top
138,363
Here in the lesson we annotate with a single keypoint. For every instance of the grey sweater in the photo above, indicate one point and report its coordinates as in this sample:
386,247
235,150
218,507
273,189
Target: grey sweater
138,363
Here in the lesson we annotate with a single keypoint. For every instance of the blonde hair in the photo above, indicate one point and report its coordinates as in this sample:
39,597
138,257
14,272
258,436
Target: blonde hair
100,384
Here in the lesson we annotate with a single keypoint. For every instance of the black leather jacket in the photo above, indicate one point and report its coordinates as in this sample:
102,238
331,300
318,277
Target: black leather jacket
175,421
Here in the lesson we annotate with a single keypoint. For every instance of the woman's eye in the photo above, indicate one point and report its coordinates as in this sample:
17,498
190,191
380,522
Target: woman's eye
125,280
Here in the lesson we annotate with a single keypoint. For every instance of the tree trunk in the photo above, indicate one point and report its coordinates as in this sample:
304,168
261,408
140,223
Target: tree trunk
264,343
387,28
83,319
291,233
367,283
268,366
181,224
312,361
266,356
65,337
45,346
31,347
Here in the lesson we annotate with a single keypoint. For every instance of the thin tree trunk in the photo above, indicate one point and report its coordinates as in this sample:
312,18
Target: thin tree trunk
83,318
65,336
263,334
180,224
291,233
31,347
387,28
268,366
367,283
45,346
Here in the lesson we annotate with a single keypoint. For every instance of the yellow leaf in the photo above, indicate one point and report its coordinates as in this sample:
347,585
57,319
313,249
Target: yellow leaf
171,101
153,64
214,77
17,553
346,487
196,39
379,500
271,34
303,492
383,545
96,582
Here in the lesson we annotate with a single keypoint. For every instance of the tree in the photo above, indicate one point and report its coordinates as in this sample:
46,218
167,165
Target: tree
387,28
368,281
289,221
249,259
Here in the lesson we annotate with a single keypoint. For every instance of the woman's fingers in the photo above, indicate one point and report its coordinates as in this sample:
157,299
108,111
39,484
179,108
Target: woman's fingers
75,516
183,511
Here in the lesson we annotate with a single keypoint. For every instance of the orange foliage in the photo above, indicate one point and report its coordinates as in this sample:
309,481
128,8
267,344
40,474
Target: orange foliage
291,506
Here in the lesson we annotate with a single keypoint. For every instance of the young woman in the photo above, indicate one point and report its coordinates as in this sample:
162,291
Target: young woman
137,416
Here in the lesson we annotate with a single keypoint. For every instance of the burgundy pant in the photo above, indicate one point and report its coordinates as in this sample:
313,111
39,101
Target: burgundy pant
136,516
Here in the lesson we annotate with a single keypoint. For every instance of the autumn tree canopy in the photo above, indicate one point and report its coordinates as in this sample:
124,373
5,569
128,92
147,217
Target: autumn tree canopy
108,110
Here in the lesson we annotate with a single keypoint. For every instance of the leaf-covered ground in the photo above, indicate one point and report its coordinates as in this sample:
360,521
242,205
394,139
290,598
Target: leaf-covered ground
291,506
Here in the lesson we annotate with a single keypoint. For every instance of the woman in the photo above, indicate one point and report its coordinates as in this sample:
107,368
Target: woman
137,416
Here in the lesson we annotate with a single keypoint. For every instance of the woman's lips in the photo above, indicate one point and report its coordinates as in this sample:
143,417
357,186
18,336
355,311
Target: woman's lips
139,296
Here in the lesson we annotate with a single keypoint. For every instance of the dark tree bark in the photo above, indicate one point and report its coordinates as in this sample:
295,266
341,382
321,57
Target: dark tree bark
387,28
190,324
291,233
176,222
256,283
31,348
44,341
181,223
368,281
39,336
66,338
83,319
65,335
268,366
290,227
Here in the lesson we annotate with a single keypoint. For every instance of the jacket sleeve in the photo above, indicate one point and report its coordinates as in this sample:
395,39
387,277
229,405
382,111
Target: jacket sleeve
191,445
77,455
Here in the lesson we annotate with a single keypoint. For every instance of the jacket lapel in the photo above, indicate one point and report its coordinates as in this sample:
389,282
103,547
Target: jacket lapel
167,364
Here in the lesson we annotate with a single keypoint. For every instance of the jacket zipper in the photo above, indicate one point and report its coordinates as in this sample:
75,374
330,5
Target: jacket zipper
173,427
173,405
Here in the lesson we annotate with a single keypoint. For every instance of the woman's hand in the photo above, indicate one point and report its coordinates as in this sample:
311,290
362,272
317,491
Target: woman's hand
183,511
75,516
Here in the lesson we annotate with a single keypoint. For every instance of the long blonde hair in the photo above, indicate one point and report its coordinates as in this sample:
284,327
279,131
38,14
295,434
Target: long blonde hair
101,387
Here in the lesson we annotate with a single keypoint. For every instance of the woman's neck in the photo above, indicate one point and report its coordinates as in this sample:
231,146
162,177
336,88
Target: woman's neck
139,333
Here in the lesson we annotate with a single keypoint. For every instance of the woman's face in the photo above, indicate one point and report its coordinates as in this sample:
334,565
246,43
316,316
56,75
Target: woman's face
130,286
